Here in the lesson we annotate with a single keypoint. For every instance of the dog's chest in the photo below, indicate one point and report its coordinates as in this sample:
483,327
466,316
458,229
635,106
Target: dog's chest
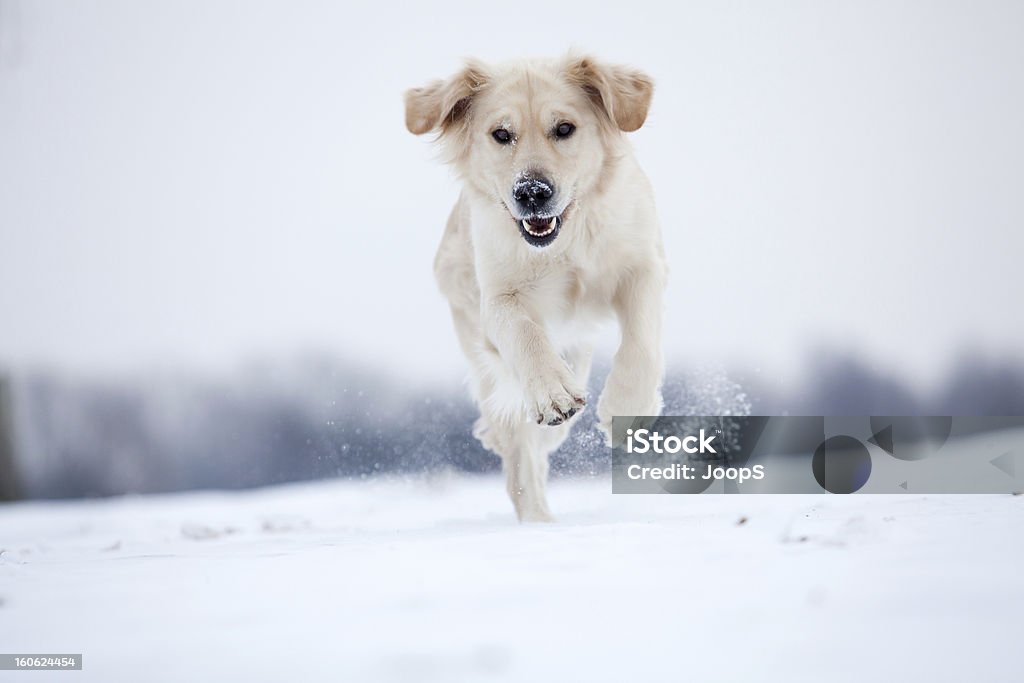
569,304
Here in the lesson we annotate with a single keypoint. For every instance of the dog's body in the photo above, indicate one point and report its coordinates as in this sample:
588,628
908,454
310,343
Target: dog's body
555,231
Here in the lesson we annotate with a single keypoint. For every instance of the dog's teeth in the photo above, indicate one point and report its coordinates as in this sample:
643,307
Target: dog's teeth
549,228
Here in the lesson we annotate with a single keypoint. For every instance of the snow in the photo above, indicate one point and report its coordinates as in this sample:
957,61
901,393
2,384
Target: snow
431,579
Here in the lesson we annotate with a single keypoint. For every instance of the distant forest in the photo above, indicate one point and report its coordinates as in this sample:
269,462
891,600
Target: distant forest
322,418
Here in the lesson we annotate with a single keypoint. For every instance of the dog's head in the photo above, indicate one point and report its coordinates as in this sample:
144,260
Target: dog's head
533,136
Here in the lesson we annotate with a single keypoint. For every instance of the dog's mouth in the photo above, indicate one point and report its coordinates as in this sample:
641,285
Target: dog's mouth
540,231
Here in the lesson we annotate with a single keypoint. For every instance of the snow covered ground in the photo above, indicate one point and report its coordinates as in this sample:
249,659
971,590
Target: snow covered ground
432,579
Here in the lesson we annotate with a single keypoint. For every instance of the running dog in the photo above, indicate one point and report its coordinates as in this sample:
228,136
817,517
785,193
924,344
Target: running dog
554,231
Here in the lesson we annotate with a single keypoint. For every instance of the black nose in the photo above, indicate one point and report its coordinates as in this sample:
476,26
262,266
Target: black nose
532,193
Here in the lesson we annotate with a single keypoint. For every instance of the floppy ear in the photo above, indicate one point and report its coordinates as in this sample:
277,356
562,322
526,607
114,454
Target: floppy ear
621,92
443,104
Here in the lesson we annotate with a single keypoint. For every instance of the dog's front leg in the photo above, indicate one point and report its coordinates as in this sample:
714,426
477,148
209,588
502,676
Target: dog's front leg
633,386
551,392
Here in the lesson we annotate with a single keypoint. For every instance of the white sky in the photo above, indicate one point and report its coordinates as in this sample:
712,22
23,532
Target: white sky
197,183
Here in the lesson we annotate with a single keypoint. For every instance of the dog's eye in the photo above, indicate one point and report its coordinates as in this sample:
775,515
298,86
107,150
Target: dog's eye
564,129
502,136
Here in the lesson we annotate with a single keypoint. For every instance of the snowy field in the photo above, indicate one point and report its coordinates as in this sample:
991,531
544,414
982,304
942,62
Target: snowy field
433,580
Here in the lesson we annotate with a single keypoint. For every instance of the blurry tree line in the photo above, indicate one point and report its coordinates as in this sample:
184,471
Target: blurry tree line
70,437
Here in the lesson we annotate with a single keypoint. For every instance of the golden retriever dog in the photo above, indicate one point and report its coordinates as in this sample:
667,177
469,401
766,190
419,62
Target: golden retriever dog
555,231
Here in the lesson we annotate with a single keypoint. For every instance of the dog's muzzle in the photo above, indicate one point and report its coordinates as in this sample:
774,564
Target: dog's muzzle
533,196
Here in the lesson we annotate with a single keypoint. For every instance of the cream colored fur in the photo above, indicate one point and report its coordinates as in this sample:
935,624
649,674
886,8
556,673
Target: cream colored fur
523,313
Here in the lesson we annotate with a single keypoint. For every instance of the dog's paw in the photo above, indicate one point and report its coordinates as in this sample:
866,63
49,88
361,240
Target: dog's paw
485,434
536,517
555,402
623,405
